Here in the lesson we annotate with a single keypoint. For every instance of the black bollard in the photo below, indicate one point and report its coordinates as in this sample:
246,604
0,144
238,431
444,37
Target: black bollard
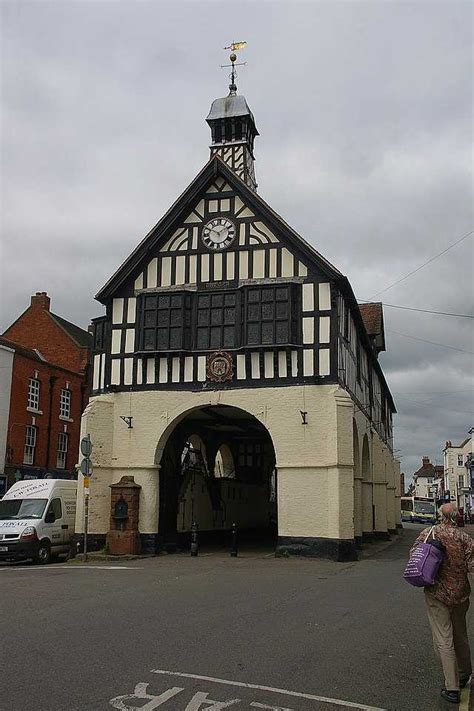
233,541
194,539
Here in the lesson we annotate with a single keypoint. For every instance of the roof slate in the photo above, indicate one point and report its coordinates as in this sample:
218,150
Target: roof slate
427,470
228,107
32,353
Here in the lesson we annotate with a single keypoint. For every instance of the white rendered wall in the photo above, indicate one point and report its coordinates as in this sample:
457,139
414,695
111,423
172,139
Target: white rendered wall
314,461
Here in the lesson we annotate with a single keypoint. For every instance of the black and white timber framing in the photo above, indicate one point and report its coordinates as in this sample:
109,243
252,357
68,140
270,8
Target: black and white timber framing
284,313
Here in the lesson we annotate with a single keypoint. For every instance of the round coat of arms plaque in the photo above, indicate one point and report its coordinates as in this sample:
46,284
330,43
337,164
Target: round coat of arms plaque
220,367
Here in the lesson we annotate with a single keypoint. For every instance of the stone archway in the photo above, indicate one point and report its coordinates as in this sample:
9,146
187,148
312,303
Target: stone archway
191,490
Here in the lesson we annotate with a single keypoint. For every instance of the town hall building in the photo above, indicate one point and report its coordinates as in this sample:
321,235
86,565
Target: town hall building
236,379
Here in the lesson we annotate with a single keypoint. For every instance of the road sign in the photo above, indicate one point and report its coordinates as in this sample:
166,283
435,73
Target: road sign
86,446
86,467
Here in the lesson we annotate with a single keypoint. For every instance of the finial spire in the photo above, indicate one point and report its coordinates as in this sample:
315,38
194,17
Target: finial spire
234,47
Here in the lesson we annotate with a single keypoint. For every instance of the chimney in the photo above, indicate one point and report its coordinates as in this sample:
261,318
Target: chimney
41,300
426,461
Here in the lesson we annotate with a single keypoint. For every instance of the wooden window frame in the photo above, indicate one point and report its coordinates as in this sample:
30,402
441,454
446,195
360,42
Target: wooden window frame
192,321
184,327
34,388
31,435
100,335
65,403
294,336
61,455
195,325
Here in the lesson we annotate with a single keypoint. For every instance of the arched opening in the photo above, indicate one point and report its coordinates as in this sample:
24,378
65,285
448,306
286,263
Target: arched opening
217,469
224,465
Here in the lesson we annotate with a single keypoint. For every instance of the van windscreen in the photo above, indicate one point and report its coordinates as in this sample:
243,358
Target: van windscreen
22,508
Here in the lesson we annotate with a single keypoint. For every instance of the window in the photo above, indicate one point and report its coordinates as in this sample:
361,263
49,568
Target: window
165,321
62,450
30,444
216,321
55,508
250,454
359,369
346,332
461,481
209,321
33,393
99,335
268,316
65,403
460,460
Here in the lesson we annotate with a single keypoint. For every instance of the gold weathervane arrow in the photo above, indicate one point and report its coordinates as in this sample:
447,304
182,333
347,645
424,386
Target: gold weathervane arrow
236,45
233,58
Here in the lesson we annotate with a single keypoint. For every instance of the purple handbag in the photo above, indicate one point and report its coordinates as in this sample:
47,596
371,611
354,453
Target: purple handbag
424,563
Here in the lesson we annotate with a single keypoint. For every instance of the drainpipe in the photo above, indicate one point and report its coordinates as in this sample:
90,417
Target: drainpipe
52,381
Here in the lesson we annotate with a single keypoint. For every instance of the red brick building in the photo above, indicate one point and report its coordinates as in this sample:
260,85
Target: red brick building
48,392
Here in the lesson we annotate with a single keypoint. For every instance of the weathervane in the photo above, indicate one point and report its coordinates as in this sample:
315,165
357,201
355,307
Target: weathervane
234,47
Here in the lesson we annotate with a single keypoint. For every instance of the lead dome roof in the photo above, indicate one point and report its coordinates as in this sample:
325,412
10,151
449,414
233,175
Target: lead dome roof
231,106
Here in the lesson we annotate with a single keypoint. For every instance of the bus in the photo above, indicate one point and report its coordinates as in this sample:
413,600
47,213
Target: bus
418,510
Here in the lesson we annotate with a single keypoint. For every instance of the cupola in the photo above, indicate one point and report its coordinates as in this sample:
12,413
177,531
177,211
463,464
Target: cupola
233,131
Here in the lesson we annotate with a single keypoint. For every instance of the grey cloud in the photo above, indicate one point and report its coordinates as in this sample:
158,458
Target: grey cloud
365,117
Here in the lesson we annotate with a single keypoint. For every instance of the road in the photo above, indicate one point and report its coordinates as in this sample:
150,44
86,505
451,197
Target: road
215,632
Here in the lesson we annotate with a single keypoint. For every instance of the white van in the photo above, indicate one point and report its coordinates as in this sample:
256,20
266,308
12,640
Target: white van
37,519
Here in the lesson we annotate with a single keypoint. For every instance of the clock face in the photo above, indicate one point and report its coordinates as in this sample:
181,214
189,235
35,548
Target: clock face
218,233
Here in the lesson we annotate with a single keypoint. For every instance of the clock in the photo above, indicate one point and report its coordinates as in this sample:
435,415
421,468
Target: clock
218,233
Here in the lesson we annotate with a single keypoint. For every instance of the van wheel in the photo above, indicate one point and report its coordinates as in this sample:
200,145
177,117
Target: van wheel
43,556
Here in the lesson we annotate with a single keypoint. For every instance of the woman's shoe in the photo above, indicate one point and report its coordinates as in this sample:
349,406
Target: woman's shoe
454,697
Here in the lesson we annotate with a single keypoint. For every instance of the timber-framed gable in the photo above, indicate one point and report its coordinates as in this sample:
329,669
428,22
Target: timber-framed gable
277,290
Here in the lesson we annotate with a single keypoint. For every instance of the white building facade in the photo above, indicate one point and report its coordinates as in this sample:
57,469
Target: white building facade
428,481
459,472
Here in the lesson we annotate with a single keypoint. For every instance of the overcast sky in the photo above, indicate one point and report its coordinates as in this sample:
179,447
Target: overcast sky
365,116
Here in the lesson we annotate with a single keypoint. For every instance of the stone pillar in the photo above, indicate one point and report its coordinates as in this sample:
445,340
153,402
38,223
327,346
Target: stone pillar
398,493
123,537
316,503
367,510
391,492
358,510
380,487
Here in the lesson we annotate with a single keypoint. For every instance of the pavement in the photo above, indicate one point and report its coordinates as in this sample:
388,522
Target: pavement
214,632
